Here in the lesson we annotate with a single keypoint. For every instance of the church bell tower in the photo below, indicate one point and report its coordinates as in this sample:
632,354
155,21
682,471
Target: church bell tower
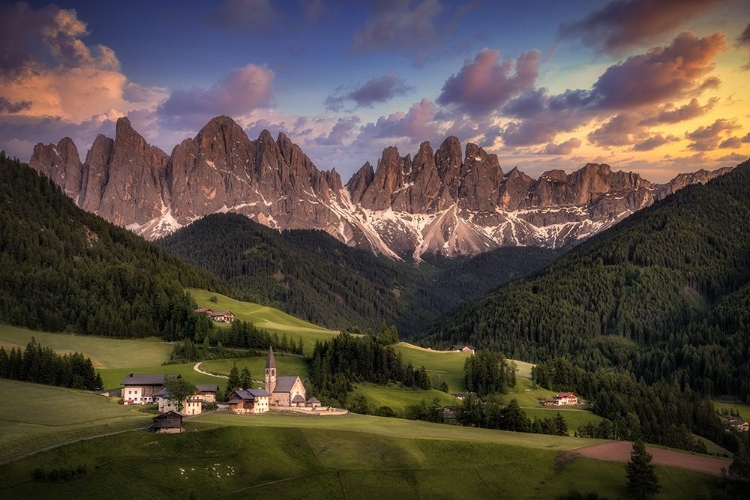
270,377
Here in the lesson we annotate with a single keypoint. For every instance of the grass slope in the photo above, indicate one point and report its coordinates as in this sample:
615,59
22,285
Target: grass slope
104,353
349,457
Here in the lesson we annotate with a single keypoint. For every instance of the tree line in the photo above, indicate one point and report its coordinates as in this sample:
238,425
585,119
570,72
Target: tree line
41,365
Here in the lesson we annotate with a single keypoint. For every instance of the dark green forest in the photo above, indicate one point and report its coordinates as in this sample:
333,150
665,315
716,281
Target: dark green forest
312,275
63,269
664,295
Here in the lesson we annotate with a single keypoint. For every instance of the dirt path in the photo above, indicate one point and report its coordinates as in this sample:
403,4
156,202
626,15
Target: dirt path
197,368
619,451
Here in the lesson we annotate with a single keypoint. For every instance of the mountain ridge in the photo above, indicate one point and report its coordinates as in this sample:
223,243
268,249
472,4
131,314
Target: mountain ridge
442,201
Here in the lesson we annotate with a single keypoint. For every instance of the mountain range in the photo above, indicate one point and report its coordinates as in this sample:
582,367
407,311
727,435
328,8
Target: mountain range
438,202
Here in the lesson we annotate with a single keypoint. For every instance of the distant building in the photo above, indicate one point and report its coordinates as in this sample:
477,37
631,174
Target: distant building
193,405
207,392
564,399
142,389
249,401
167,423
283,390
462,348
218,316
464,395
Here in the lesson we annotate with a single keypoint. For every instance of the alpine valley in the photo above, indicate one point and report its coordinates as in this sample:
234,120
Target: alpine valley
438,202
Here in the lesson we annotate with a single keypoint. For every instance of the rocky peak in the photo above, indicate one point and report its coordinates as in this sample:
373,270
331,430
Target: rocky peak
61,164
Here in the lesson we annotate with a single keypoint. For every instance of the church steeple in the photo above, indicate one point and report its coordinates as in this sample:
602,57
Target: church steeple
270,377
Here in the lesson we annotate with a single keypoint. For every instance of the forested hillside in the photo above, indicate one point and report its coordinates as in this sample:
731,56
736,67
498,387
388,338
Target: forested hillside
665,295
310,274
64,269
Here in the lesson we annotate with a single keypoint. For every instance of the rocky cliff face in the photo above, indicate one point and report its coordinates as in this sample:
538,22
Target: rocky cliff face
439,201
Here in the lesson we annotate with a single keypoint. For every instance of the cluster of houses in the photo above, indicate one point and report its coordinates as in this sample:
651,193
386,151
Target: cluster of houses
280,392
736,423
462,348
218,316
561,399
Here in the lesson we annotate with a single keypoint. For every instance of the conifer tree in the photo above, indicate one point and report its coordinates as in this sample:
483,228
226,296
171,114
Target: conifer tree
234,381
641,473
246,380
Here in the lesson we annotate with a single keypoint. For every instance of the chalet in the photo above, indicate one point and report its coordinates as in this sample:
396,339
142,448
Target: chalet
283,390
193,405
207,393
564,399
167,423
141,389
249,401
462,348
222,316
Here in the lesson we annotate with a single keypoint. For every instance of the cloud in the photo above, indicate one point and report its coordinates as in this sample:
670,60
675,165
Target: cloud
244,15
418,123
686,112
654,142
483,85
376,90
621,130
397,27
746,139
564,148
13,107
731,143
624,24
744,41
341,131
240,92
662,74
708,138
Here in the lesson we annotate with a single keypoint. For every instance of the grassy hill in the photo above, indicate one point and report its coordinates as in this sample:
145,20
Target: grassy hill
665,294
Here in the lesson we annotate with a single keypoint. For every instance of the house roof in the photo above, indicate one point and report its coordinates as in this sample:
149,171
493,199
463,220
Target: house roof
285,384
137,379
168,419
207,388
259,393
298,399
566,394
313,400
220,313
250,394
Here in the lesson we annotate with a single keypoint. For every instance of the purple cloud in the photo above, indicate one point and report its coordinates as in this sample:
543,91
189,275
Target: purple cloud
621,130
624,24
654,142
564,148
244,15
485,84
397,27
746,139
686,112
418,123
376,90
708,138
13,107
731,143
341,131
240,92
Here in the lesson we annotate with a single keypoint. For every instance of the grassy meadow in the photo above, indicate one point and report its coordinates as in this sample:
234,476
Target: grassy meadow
226,456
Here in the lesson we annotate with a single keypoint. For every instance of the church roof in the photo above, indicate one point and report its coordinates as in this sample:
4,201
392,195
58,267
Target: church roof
285,384
270,361
250,394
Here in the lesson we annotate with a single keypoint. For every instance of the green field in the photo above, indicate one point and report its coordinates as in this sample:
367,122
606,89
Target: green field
104,353
264,317
36,416
449,365
285,365
112,378
230,456
398,398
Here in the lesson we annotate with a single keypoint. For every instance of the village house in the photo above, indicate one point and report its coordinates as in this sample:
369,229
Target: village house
167,423
285,391
207,393
142,389
218,316
462,348
565,399
736,423
248,401
193,405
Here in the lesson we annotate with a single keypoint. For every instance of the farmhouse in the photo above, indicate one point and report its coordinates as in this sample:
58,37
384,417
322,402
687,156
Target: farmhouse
142,389
462,348
207,393
193,405
167,423
218,316
284,391
249,401
565,398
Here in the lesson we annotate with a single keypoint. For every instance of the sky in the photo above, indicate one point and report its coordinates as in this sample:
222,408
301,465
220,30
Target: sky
656,87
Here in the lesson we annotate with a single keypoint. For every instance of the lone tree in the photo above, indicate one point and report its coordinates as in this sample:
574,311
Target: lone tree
234,381
641,473
179,390
246,381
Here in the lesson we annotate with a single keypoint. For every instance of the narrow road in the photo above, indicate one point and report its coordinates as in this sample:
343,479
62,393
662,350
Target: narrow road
619,451
197,368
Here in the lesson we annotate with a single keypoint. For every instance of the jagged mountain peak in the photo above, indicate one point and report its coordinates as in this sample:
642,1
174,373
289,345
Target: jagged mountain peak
445,201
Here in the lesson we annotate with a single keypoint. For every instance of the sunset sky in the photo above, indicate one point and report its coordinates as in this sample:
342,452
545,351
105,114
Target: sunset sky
653,86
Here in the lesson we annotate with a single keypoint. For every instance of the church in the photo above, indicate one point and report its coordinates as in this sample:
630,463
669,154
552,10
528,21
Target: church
285,391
